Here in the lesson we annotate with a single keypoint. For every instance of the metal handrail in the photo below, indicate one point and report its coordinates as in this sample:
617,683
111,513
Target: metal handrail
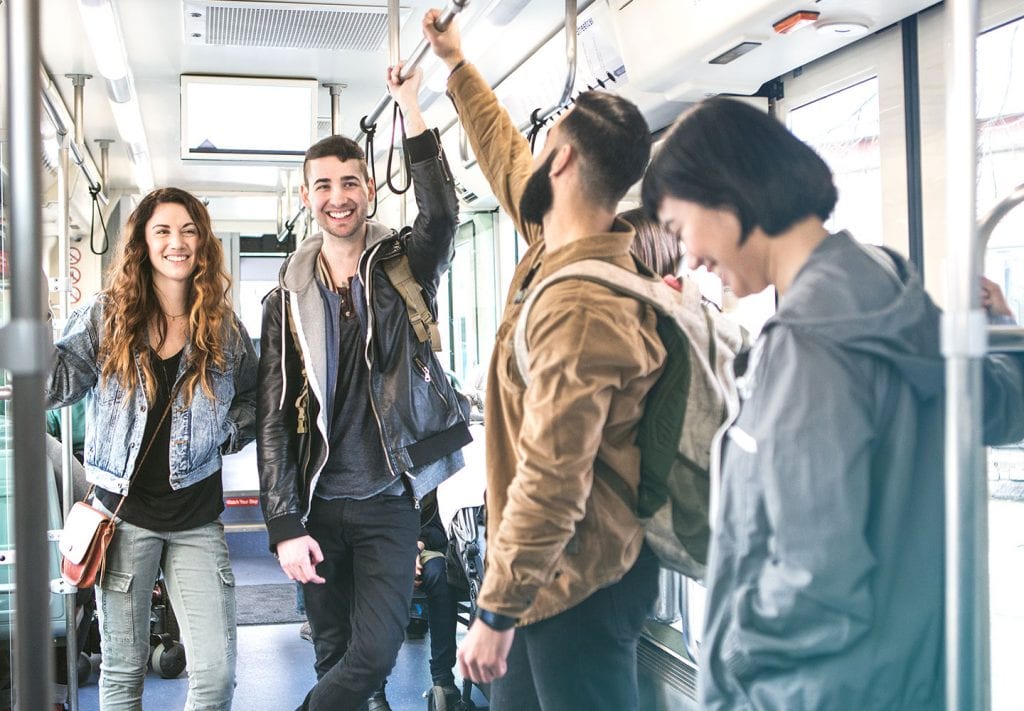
32,659
988,223
581,7
1001,339
571,14
963,345
684,609
442,22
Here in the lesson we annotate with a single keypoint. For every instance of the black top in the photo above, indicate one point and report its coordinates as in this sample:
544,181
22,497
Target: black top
355,441
151,503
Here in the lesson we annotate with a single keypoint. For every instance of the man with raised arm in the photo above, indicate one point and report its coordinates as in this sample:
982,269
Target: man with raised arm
356,417
569,581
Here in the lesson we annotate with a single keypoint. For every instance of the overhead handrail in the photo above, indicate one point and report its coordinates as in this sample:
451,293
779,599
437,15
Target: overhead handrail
987,224
1001,339
53,111
289,225
464,155
447,15
538,117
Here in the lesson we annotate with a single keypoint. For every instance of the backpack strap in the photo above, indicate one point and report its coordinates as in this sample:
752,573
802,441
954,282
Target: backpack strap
650,290
420,317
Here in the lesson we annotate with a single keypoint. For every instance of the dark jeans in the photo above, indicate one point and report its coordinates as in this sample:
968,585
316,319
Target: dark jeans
441,621
358,617
585,657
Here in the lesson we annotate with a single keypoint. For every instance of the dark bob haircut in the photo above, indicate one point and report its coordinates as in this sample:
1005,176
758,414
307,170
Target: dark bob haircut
726,154
340,147
614,139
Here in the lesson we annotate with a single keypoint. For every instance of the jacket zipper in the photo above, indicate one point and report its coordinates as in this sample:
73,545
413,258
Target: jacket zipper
425,371
302,346
369,361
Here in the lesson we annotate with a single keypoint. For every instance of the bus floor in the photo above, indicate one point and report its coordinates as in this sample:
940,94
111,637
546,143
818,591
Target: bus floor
275,665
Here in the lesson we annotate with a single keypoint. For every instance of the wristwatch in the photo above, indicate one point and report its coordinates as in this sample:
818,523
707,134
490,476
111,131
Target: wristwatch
498,623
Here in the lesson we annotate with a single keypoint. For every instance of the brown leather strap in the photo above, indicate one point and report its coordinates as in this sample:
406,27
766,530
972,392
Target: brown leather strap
142,457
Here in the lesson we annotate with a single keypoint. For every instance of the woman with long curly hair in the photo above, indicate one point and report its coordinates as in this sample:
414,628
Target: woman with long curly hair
169,376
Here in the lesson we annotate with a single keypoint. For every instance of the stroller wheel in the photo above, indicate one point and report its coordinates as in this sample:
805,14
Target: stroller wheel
436,700
83,667
168,659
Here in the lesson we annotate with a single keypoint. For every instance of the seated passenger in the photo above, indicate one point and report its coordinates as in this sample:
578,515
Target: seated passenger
826,576
432,579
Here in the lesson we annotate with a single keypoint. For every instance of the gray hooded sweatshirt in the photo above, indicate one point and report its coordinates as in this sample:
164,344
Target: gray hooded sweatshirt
825,579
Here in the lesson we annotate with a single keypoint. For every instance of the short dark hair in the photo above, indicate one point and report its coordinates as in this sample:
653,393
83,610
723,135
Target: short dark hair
340,147
614,139
726,154
653,245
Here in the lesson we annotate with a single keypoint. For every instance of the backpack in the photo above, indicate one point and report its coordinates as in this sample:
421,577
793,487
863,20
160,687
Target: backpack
684,409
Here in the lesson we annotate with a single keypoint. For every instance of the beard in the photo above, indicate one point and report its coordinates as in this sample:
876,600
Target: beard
537,196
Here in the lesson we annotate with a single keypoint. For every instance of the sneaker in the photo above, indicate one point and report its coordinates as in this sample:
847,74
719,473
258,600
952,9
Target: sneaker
306,632
378,702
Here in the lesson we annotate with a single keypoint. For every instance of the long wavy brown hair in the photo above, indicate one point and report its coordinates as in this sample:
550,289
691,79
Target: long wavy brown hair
131,304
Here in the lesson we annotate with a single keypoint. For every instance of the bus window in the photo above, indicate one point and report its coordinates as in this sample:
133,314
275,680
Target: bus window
1000,110
843,128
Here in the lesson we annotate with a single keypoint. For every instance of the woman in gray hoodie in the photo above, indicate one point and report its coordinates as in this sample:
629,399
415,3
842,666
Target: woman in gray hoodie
825,579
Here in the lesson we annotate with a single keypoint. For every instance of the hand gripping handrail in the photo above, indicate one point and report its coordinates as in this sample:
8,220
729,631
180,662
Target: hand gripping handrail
538,116
447,15
987,224
1001,339
572,11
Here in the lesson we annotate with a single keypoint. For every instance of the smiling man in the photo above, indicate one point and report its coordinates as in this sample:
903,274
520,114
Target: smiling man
357,420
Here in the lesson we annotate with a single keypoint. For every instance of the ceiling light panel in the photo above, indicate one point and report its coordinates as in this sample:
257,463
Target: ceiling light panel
361,28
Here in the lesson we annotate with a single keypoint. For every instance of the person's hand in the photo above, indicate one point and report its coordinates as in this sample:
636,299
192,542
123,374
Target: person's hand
483,656
418,579
992,299
406,95
447,45
299,557
404,92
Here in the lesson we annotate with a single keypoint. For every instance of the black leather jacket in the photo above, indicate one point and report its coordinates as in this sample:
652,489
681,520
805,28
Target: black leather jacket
422,420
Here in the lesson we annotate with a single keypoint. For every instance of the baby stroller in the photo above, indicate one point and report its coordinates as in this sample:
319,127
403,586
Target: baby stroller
460,501
167,656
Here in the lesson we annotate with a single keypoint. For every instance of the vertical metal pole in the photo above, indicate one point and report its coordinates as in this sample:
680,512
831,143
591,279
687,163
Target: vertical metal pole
66,418
32,655
78,82
335,89
104,144
964,345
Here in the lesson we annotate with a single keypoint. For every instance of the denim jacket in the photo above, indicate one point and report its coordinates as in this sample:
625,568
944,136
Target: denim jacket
115,421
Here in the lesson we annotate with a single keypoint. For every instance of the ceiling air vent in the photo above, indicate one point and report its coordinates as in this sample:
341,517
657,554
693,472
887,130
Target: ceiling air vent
361,28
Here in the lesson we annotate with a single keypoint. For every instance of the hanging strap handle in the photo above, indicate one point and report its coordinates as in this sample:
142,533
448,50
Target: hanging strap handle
94,191
369,130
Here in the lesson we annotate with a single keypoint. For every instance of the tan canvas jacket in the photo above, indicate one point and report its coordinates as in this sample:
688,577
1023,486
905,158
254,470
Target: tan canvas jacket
555,533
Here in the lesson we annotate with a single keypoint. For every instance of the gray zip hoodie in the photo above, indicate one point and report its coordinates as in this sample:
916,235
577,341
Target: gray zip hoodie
825,580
